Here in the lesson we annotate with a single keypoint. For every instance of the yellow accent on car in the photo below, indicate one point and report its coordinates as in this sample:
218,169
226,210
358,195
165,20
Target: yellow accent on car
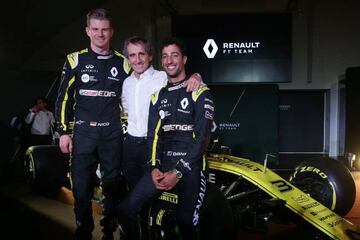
297,201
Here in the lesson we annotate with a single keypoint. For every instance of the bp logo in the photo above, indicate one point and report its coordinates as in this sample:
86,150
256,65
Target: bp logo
214,48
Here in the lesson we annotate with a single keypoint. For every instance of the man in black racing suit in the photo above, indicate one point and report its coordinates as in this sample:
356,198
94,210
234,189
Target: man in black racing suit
89,94
179,130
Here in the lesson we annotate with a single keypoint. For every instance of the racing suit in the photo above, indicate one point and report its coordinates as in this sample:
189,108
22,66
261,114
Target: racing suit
89,95
179,130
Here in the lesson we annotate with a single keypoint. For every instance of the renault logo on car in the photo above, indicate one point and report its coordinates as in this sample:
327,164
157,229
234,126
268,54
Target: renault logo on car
210,54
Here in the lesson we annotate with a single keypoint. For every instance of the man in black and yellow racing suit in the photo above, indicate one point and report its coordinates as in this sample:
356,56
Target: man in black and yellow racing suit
90,94
178,131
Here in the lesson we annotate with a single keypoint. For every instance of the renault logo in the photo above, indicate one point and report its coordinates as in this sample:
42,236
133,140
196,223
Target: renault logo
114,71
210,42
184,103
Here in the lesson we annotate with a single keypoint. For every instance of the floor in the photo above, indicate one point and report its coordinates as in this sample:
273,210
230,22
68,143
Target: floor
32,216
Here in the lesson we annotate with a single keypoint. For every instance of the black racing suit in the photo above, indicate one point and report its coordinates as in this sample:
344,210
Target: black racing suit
89,95
178,131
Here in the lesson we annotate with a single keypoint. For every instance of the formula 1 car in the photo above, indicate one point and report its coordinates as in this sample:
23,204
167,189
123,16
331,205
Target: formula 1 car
240,193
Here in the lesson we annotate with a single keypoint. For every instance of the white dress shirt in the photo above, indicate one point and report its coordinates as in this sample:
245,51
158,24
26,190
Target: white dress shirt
135,99
41,122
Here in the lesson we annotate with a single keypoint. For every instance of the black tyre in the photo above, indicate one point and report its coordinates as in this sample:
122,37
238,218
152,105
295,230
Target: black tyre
47,168
216,222
328,181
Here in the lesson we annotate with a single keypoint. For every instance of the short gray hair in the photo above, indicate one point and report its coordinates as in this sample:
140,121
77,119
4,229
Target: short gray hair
138,40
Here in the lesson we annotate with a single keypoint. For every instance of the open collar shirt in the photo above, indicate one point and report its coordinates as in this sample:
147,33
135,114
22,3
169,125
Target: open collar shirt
135,99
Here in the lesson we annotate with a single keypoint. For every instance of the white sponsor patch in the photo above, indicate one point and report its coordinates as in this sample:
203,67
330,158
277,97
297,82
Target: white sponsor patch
103,124
177,86
162,114
183,111
208,100
175,154
95,93
79,122
177,127
208,106
208,115
99,124
196,214
185,164
85,78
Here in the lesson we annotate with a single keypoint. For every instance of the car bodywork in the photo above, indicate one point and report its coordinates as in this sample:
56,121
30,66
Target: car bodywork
302,204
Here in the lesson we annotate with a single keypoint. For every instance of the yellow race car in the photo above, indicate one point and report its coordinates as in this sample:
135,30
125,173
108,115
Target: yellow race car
240,193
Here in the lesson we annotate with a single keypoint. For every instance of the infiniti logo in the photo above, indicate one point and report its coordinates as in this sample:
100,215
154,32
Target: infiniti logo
210,42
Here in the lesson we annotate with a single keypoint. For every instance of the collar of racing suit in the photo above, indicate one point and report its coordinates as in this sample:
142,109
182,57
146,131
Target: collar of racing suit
177,85
100,56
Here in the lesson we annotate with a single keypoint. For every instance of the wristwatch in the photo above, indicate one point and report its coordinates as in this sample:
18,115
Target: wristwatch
179,174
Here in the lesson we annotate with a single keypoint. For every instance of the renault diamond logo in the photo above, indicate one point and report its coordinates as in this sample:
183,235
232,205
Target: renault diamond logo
184,103
114,71
210,42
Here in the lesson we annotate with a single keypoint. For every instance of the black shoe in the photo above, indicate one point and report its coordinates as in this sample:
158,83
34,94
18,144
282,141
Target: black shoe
108,225
83,236
83,233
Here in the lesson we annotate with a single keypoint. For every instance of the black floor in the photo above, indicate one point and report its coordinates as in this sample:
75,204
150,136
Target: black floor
21,222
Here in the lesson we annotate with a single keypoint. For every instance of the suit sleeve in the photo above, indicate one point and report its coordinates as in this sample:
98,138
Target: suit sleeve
154,145
64,112
204,114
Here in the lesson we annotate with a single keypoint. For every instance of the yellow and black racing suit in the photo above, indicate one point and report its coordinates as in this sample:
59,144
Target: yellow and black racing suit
179,131
89,95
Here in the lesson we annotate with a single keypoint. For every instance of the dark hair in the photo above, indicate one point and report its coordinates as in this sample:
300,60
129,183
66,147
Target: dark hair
138,40
173,40
100,14
42,98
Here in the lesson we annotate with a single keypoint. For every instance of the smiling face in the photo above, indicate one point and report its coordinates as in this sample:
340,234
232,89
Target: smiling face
100,33
140,60
173,62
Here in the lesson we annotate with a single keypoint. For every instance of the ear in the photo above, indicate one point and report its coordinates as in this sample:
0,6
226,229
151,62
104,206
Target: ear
184,59
87,30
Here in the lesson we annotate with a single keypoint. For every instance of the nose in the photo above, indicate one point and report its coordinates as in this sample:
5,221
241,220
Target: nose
168,59
138,59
